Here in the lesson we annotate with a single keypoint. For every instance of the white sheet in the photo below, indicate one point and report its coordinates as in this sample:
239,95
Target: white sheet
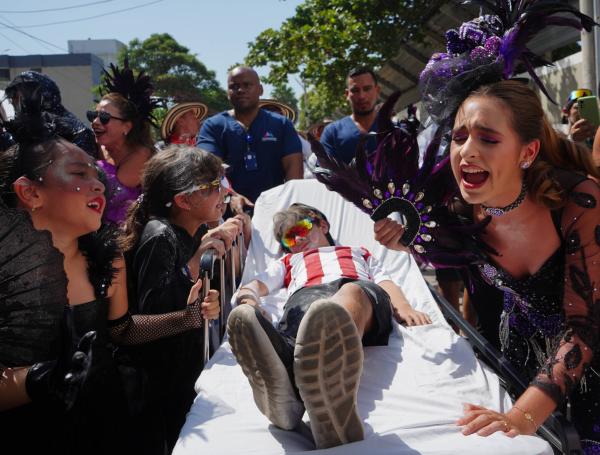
411,392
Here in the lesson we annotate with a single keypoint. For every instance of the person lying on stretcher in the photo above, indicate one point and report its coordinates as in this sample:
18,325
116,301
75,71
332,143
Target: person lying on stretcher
338,297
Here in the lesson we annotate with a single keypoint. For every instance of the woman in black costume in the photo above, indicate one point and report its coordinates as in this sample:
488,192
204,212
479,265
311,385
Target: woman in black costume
532,248
59,185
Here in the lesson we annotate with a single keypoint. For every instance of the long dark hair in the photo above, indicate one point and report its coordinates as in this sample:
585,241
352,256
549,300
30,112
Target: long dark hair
169,172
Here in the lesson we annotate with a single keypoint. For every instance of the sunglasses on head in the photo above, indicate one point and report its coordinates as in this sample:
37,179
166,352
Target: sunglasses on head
103,116
206,189
301,229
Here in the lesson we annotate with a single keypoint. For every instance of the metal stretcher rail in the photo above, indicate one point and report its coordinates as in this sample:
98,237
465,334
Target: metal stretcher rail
557,430
228,266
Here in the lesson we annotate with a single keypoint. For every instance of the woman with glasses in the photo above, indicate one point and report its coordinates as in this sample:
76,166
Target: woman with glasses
121,124
163,240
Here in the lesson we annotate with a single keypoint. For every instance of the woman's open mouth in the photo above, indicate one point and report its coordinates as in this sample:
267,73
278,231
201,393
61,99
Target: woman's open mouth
473,177
96,204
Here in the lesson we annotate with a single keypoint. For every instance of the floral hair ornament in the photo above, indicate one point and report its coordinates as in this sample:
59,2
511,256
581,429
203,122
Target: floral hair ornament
390,180
488,48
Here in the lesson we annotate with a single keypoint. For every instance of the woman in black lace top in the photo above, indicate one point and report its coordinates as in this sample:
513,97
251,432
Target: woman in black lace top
59,185
545,229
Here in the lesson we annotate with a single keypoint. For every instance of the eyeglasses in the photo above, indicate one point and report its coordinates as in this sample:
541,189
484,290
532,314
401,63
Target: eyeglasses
104,116
575,94
301,229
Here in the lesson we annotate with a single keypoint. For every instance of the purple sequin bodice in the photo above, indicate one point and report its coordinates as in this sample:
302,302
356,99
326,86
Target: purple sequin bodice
119,196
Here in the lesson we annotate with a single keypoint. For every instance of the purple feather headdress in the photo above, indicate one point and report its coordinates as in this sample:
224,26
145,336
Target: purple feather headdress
487,49
137,90
389,180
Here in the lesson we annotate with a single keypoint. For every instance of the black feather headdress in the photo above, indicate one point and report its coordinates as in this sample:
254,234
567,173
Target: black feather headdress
390,180
135,89
487,49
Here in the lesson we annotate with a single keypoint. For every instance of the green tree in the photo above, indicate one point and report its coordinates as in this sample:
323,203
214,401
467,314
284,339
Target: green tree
327,38
176,73
285,94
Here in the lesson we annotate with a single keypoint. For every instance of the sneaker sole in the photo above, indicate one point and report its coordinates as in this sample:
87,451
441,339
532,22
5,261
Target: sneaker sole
273,393
328,360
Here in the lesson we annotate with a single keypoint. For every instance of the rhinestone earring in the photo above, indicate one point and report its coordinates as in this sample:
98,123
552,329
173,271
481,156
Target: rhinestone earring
525,165
77,189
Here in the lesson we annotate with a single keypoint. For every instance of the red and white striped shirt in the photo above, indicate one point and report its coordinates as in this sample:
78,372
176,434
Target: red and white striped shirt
322,265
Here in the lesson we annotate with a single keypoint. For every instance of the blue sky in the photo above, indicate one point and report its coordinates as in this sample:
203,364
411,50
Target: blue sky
217,31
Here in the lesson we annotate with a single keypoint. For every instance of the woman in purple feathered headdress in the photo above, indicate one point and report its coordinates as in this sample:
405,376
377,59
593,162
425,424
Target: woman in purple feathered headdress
543,216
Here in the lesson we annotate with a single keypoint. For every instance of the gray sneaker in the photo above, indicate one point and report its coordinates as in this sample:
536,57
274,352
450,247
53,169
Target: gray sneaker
266,360
328,360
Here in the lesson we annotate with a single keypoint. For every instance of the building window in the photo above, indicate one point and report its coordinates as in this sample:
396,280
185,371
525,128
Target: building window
4,74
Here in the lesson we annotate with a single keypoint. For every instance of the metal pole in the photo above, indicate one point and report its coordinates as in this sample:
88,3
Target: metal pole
597,45
588,67
205,289
222,291
232,257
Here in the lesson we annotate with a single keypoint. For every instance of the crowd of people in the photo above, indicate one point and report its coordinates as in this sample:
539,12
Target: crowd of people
101,355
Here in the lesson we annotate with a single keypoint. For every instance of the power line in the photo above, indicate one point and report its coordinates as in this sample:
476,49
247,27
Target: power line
33,37
90,17
56,9
14,42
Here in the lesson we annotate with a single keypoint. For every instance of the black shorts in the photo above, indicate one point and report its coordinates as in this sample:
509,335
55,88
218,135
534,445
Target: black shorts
299,302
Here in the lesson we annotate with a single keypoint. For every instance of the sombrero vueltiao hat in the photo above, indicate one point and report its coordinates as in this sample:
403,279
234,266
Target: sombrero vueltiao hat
279,107
166,129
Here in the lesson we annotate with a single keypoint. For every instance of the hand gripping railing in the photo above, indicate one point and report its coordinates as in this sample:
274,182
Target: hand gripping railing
557,430
207,271
227,285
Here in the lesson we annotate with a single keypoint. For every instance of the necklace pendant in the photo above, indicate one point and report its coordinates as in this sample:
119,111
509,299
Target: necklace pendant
494,211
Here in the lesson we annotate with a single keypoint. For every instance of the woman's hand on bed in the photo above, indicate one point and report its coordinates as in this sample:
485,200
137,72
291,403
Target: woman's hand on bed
409,316
388,232
485,422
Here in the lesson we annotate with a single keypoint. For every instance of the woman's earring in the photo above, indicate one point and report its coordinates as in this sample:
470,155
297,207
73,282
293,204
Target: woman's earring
525,165
32,209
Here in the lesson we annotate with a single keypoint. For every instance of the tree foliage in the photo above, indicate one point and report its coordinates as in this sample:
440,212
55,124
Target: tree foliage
284,93
325,39
176,73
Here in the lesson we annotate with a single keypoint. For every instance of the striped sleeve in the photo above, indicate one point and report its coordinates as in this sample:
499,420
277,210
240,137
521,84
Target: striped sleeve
274,275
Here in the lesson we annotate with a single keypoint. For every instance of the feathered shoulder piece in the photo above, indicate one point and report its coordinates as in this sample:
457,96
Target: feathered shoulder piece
390,180
101,249
135,89
487,49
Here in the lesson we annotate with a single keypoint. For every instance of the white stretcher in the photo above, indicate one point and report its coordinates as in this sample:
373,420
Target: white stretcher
411,392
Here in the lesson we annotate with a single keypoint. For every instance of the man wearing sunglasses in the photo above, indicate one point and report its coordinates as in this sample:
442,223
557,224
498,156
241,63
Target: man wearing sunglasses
339,299
261,147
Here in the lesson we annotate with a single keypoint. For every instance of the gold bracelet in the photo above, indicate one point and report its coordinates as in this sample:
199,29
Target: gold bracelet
528,417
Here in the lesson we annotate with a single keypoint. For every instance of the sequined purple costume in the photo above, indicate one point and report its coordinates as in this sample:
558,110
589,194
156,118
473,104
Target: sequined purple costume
550,321
119,196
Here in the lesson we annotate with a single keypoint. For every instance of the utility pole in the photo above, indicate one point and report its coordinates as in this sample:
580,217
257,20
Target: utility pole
588,49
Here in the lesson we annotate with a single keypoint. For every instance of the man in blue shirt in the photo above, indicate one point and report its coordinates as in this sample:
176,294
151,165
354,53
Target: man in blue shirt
261,147
341,138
